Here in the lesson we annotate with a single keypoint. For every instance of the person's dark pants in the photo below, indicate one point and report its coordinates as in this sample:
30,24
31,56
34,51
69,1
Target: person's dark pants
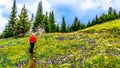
31,48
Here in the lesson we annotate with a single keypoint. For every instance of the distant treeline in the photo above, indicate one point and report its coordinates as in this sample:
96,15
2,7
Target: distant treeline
111,15
21,24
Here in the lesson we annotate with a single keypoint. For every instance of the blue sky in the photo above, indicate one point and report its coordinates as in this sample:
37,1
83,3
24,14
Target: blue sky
85,10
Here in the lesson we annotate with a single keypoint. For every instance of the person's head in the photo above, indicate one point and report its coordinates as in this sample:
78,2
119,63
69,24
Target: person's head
33,34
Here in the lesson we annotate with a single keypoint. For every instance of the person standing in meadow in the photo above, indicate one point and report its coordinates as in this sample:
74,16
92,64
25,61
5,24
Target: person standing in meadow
32,42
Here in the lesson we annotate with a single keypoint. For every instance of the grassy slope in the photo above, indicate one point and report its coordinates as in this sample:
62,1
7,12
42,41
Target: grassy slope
96,46
106,25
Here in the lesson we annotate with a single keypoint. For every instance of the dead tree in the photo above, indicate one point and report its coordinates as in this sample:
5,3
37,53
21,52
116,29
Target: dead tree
40,30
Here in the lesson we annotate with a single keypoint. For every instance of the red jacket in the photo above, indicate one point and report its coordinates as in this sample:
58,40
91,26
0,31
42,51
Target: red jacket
32,39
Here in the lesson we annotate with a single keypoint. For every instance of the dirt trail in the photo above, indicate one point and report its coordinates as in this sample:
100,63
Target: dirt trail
33,62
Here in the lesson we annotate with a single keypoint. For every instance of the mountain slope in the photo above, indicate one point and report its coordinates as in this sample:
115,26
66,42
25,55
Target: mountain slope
97,46
105,26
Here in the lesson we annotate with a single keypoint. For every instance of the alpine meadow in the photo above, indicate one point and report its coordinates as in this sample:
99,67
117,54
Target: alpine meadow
92,45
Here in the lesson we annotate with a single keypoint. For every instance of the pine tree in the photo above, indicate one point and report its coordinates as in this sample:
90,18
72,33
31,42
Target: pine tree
96,19
39,16
52,22
119,14
115,14
88,24
103,18
68,29
31,22
63,25
10,28
110,10
71,29
110,15
82,26
23,24
57,28
75,26
46,23
32,19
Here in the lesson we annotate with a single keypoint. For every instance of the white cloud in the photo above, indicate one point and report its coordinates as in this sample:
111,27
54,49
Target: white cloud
62,2
5,6
94,5
3,21
33,7
76,6
83,5
46,6
87,4
117,4
105,4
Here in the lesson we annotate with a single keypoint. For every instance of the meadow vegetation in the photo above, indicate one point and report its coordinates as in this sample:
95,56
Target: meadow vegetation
97,46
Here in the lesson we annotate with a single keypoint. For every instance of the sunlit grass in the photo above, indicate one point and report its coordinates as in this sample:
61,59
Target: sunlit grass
78,49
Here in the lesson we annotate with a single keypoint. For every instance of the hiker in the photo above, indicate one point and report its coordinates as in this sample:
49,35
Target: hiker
32,42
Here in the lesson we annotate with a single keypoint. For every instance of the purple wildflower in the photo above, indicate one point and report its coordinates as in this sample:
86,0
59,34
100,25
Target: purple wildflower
61,38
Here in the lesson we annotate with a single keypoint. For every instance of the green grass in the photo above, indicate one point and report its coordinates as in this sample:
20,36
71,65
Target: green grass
97,46
107,25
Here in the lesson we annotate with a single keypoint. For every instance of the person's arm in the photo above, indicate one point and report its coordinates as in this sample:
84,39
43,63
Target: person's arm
35,39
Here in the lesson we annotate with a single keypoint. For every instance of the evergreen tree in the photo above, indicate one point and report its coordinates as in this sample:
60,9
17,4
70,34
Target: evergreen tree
96,19
88,24
31,22
52,22
46,23
110,14
71,29
82,26
39,16
103,18
115,14
63,25
32,19
110,10
79,25
76,24
10,28
68,29
119,14
23,24
57,28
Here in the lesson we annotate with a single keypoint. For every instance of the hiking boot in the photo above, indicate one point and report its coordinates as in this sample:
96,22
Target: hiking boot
33,51
33,58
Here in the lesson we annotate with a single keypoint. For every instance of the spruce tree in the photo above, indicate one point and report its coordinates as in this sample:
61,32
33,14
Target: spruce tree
82,26
71,29
115,14
32,19
57,28
39,16
31,22
110,14
68,29
119,14
75,24
63,25
110,10
52,22
46,23
88,24
96,19
23,23
10,27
